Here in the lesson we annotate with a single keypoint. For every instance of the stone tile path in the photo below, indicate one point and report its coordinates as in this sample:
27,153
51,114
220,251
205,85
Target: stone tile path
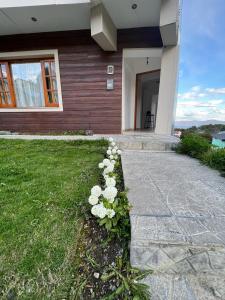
178,224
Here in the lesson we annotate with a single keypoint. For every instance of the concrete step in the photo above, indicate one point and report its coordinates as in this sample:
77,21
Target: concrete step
147,141
150,145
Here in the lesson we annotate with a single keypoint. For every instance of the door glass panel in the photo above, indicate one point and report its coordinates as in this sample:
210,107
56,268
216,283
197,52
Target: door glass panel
56,97
4,73
53,68
27,79
3,98
1,86
9,98
54,82
6,86
50,99
48,83
47,69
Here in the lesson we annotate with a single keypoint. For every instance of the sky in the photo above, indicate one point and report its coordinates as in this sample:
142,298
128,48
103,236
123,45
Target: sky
201,89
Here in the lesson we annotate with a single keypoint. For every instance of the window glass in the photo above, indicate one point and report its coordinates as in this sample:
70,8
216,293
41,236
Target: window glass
51,83
28,84
5,96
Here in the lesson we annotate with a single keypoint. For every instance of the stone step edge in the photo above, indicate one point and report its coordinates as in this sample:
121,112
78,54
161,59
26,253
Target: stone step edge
148,151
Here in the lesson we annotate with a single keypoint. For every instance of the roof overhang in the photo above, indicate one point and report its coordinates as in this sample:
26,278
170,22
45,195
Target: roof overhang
103,17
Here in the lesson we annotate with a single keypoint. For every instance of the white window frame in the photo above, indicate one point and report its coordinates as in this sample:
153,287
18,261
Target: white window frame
36,54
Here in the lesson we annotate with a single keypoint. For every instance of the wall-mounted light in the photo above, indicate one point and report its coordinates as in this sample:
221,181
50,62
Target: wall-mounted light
110,69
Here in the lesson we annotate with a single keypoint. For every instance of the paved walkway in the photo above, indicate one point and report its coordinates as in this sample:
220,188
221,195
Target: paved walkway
178,224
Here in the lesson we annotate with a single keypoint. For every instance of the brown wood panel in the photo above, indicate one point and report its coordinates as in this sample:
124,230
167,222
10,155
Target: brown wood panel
86,102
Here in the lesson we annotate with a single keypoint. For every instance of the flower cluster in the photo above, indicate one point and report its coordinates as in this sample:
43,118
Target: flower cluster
102,199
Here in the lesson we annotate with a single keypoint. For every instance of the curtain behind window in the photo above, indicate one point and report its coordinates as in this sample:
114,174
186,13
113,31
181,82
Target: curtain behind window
27,79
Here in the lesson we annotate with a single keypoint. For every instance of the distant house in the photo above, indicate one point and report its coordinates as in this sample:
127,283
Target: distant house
219,139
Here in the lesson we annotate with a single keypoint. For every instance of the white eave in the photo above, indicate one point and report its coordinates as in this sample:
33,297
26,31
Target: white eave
27,3
62,15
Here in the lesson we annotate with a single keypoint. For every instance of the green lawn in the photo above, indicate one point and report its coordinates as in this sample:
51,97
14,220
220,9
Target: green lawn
44,187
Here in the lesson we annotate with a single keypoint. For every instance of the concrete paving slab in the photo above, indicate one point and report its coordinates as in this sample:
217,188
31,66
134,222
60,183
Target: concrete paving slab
177,224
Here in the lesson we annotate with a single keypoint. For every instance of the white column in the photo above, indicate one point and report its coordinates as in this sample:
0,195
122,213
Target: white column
167,90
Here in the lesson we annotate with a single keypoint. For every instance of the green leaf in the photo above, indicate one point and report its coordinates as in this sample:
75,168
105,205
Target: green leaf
119,290
103,221
106,277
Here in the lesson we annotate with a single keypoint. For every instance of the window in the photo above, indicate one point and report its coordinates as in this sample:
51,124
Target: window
7,97
50,83
28,84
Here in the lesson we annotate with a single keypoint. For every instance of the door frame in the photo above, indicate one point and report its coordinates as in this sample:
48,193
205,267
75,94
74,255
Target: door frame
138,75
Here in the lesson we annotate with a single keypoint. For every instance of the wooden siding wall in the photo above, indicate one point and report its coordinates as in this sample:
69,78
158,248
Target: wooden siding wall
86,102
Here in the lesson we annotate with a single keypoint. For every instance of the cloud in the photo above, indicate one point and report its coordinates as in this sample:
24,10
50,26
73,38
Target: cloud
216,91
211,103
200,114
201,104
217,101
197,92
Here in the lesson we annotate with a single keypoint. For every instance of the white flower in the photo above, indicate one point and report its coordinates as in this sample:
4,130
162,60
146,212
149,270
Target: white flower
109,169
102,211
119,152
113,144
101,165
110,181
106,176
109,148
111,139
99,210
106,162
113,161
116,156
93,200
96,191
111,156
113,151
110,193
109,152
94,210
116,147
110,213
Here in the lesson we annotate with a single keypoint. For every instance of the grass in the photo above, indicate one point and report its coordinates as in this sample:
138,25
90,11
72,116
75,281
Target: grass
44,186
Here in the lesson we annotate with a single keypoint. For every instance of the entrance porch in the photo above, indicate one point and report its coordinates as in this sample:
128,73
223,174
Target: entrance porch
149,89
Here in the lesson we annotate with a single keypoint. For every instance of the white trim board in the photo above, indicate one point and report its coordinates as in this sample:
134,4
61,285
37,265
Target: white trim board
36,54
142,52
28,3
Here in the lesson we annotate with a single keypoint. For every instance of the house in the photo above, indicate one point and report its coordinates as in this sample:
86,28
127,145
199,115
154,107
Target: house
219,139
102,65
